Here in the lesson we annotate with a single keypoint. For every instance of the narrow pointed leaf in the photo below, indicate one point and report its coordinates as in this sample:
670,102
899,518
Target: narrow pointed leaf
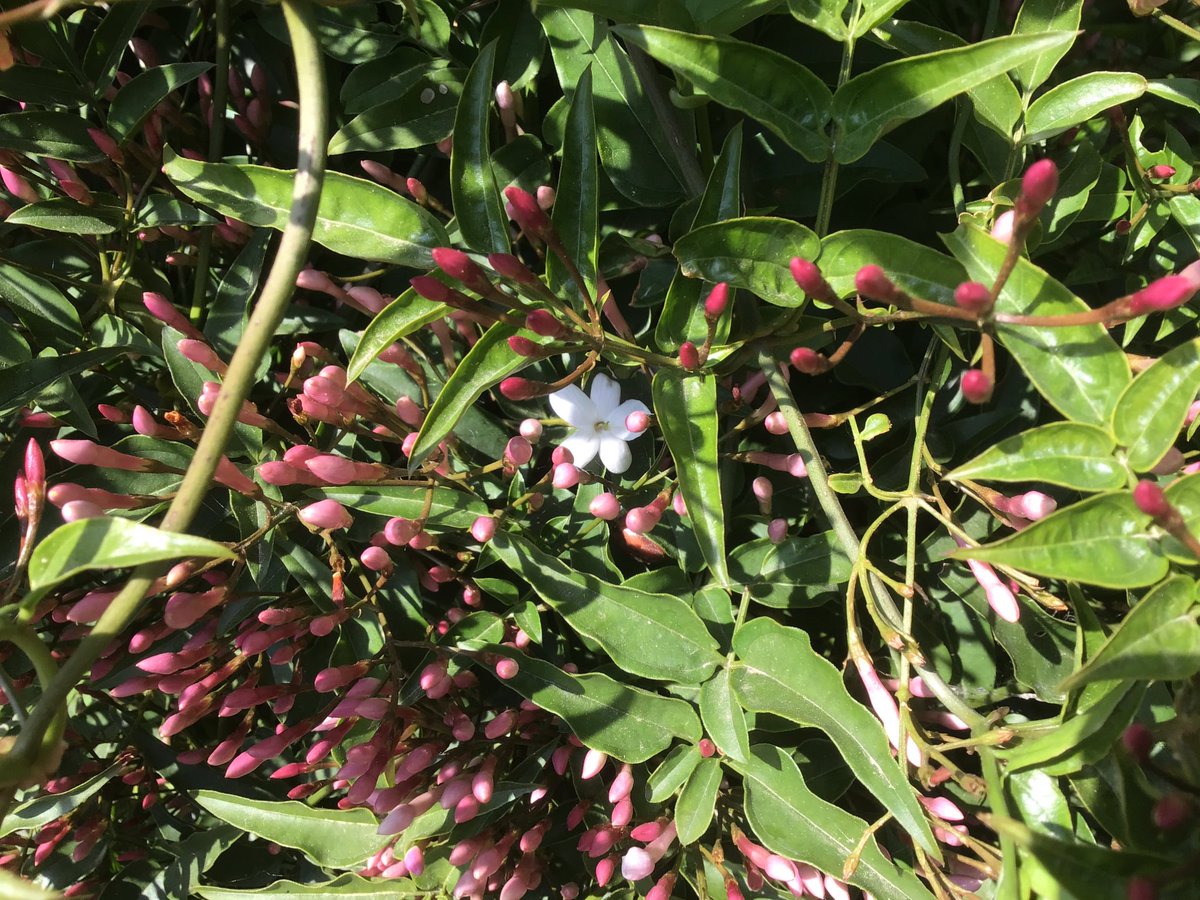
301,826
673,772
751,253
1078,100
1064,453
652,635
345,887
768,86
780,673
1079,369
477,207
872,104
686,408
1104,540
400,318
448,509
697,801
61,135
789,819
724,721
576,211
137,99
627,723
1154,407
1061,743
1036,17
356,217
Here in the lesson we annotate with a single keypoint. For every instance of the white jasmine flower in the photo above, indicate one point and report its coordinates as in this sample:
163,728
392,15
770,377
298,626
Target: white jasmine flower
599,423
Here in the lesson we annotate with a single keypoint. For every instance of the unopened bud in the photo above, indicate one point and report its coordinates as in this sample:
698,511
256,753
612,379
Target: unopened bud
1164,294
523,346
717,301
483,529
326,515
637,422
689,356
1161,171
531,430
514,388
518,451
526,212
973,297
976,386
542,322
605,506
1038,185
810,280
642,519
809,361
1150,499
871,281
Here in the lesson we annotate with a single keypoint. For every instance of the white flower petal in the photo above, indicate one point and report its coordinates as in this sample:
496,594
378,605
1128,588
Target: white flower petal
615,454
573,405
616,419
583,446
606,394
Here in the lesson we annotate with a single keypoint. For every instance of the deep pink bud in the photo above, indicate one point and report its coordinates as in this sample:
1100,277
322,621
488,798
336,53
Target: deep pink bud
974,297
1164,294
512,268
526,212
605,869
399,531
707,750
976,386
689,356
164,310
717,301
1139,887
507,668
1151,500
1038,185
89,453
1161,171
202,354
810,280
777,531
430,288
460,267
871,281
523,346
809,361
605,506
514,388
1138,740
642,519
326,515
648,831
622,785
483,529
35,466
543,322
1172,811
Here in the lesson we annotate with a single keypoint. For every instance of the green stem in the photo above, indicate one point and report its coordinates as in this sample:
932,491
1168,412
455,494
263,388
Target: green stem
276,293
685,155
829,176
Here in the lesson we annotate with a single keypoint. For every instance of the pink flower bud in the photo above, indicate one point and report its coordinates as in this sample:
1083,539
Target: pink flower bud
483,529
512,268
326,515
1164,294
16,185
376,559
202,354
943,808
164,310
523,346
333,469
871,281
74,510
642,519
636,864
460,267
775,423
1138,741
717,301
525,211
89,453
763,489
593,762
106,145
777,531
372,302
622,785
795,466
414,860
1032,505
531,430
679,505
1161,171
431,289
973,297
514,388
1004,227
810,280
565,476
1151,500
543,322
507,668
1038,185
689,356
637,421
809,361
545,197
605,869
884,705
416,190
976,387
1171,811
647,832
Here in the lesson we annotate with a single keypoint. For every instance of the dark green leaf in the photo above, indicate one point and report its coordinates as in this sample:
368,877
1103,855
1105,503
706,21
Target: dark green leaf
46,808
1104,540
424,114
25,381
751,253
780,673
67,216
477,207
768,86
576,207
798,572
872,104
137,99
401,317
697,801
917,269
41,86
1154,407
652,635
1064,453
355,217
108,42
191,858
625,722
40,306
686,407
60,135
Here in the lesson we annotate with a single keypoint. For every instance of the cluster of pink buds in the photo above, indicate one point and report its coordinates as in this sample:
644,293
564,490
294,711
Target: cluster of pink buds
799,878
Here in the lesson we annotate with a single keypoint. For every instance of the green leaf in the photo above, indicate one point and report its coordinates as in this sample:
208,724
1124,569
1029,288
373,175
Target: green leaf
46,808
724,721
449,509
682,316
625,722
1063,453
652,635
41,85
673,772
40,306
486,364
25,381
400,318
1158,640
110,543
60,135
799,572
191,857
576,207
423,114
915,268
1036,17
634,147
14,887
752,253
356,217
108,43
789,819
1058,748
872,104
1078,100
1154,407
65,215
686,408
1103,540
1181,91
823,15
697,801
137,99
1079,369
302,827
347,885
767,86
477,207
780,673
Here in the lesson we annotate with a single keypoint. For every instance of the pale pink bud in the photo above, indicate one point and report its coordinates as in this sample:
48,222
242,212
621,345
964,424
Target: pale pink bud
1032,505
642,519
777,531
183,610
763,489
75,510
560,455
565,476
943,808
545,197
333,469
622,785
376,559
483,529
16,185
593,762
636,864
88,453
202,354
795,466
408,411
679,505
326,515
884,705
1004,226
371,300
531,430
775,423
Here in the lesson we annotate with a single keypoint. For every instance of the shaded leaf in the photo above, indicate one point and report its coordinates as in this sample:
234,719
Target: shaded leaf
138,98
477,207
